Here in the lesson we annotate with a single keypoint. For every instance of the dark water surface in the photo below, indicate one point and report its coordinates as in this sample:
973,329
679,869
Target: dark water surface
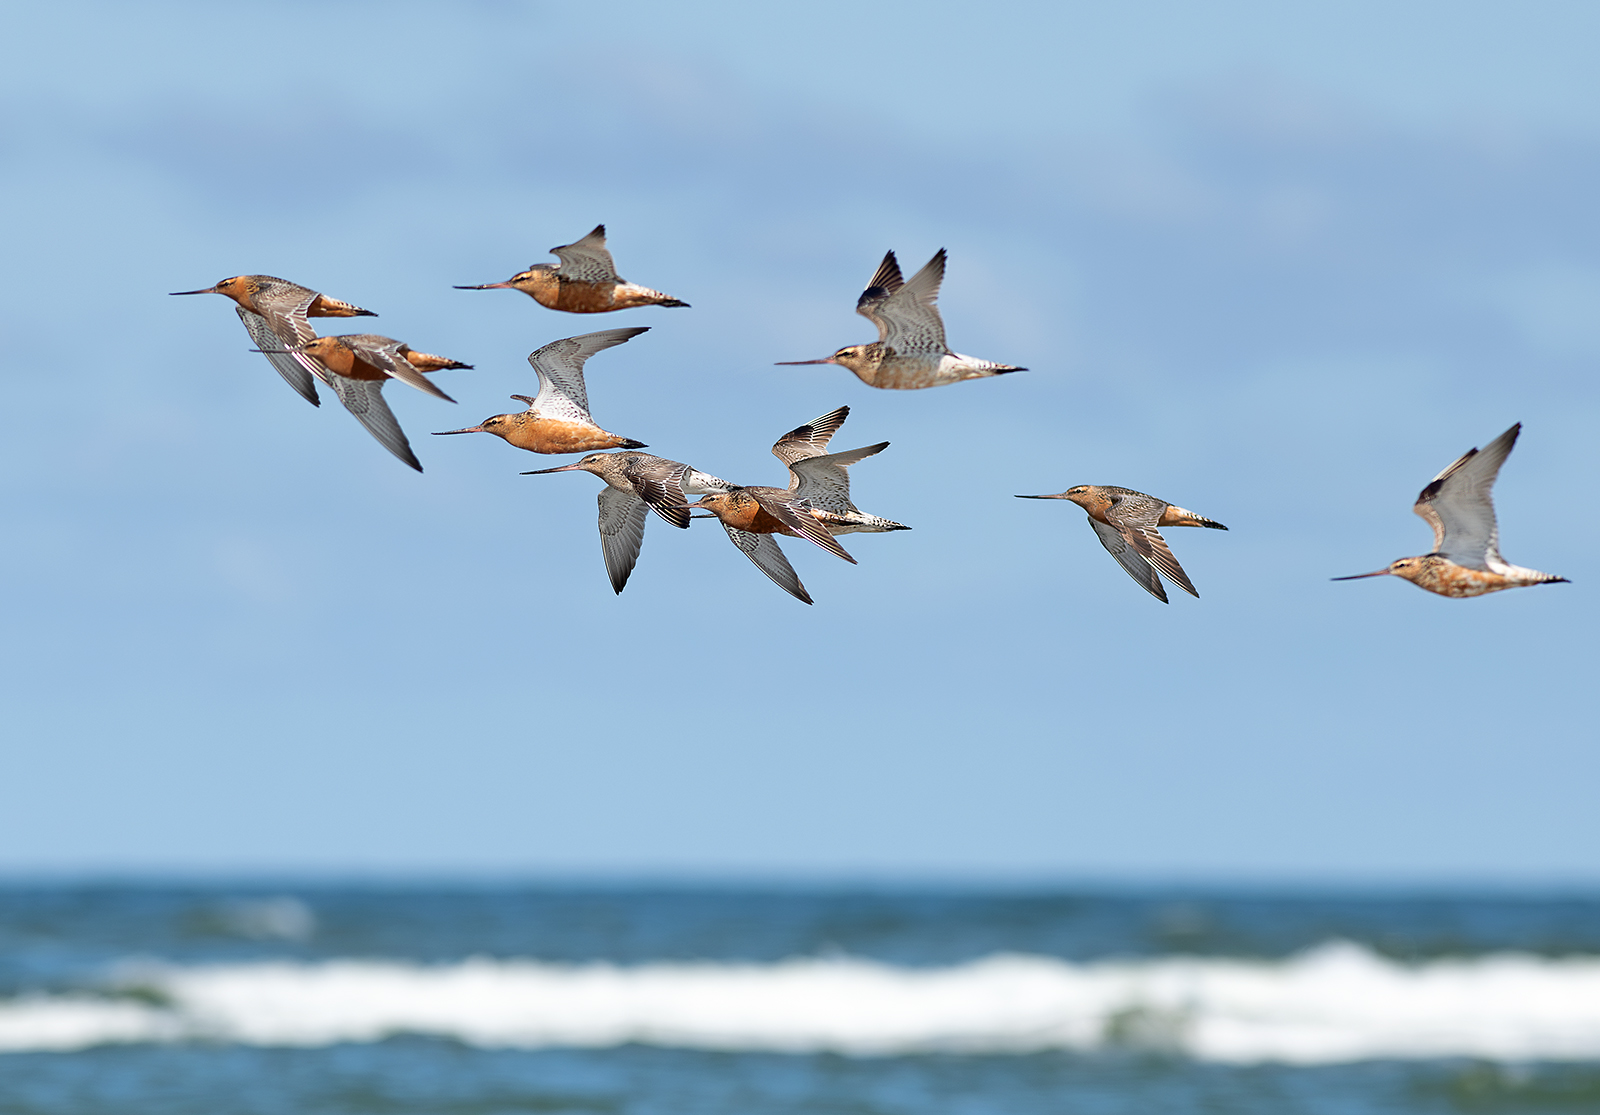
61,945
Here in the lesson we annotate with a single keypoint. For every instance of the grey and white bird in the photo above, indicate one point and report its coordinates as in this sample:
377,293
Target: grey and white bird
821,478
635,484
910,352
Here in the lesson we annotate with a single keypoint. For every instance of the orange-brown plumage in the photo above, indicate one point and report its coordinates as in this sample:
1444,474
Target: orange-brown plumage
267,294
526,429
585,281
342,357
332,307
741,510
557,419
1127,523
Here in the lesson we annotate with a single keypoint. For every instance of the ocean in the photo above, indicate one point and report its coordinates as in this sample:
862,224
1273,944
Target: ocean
316,999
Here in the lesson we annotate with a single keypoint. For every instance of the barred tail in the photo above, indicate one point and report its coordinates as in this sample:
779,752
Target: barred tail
1178,517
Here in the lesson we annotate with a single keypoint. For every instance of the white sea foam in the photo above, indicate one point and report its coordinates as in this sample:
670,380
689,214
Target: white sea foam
1337,1002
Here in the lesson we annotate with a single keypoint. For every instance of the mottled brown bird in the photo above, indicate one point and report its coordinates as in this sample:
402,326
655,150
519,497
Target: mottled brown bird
584,282
1126,522
1458,504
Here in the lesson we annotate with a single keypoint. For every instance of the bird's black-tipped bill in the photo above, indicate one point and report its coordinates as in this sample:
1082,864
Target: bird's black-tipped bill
466,430
483,286
1359,576
1041,497
558,468
792,363
204,290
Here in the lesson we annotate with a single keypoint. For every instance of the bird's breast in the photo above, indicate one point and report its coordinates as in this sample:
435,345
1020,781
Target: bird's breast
560,435
580,297
1450,579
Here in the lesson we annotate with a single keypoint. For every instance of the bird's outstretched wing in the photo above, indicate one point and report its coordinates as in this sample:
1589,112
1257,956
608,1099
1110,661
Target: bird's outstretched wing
587,260
796,515
823,481
387,355
910,323
298,370
559,365
1129,557
763,549
810,440
884,282
622,518
364,399
1459,505
1135,515
659,482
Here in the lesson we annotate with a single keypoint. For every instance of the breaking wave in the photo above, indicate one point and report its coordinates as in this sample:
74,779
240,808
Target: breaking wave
1337,1002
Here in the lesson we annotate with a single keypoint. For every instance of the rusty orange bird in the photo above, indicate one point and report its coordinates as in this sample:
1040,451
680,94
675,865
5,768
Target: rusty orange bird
274,311
751,516
584,282
557,419
357,366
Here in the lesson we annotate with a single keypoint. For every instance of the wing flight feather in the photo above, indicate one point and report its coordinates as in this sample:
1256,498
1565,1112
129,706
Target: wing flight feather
763,549
910,321
587,260
559,365
622,518
1459,505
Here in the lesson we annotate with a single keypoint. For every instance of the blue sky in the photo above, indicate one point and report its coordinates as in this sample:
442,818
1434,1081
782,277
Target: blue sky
1276,266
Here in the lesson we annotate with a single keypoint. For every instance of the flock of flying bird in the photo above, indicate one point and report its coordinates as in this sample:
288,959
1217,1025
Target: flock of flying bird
910,353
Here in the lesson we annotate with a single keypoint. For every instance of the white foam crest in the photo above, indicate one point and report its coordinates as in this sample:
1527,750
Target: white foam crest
1338,1002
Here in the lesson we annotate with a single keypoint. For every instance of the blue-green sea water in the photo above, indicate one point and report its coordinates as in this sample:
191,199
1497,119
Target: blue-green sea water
321,999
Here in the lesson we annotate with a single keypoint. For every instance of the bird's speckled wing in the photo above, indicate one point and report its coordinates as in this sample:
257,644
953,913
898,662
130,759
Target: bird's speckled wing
1118,546
910,322
364,399
560,368
1458,504
823,481
659,482
285,307
794,514
884,282
621,532
1136,515
384,354
810,440
763,549
587,260
298,370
